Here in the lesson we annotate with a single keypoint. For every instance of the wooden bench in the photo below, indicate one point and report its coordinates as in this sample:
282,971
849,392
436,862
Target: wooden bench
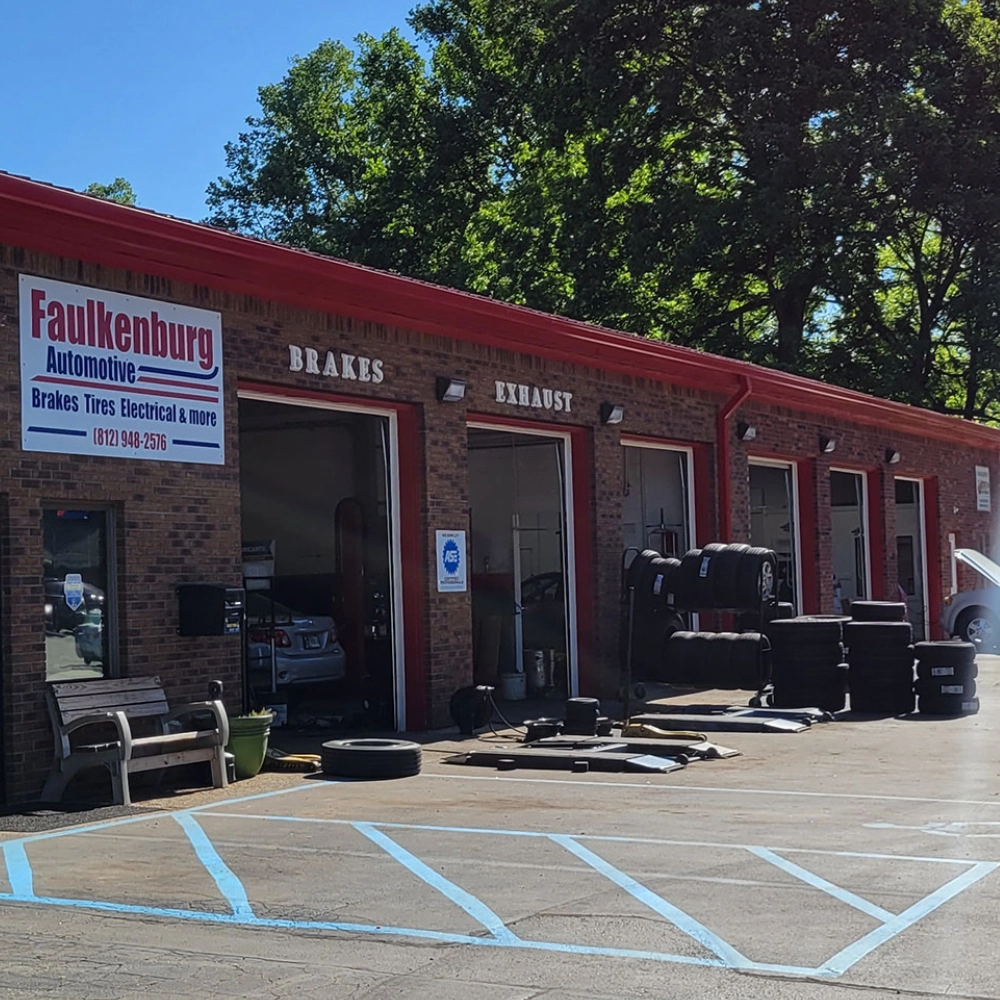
91,721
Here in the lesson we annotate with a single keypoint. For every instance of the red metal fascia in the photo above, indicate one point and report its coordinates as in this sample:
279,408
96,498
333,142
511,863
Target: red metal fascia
64,222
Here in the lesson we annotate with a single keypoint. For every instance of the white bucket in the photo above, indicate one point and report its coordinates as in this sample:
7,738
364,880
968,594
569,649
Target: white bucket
513,687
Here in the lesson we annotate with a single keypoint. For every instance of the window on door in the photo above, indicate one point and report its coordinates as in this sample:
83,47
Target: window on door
77,575
848,519
656,500
773,523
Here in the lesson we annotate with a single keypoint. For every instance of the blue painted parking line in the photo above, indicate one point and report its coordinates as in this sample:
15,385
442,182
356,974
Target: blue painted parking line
719,952
228,884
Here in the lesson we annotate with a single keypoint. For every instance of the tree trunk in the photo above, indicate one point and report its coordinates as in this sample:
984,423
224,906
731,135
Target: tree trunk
790,312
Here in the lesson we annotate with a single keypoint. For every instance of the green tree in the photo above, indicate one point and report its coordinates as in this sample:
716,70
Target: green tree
813,186
118,190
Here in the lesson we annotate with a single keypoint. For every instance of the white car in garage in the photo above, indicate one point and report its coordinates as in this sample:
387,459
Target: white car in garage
974,615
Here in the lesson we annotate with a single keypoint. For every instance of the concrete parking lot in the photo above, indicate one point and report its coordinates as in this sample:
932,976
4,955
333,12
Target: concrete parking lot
857,856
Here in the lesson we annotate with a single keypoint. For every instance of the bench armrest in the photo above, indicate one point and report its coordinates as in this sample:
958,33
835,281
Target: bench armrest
116,719
216,708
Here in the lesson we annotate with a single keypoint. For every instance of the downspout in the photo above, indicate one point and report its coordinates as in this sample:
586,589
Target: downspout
722,450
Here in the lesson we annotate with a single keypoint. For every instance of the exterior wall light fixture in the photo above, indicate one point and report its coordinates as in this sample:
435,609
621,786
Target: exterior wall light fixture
892,456
612,413
450,390
745,431
827,444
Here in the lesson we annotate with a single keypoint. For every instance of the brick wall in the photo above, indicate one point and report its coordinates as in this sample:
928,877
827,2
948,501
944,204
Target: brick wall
181,522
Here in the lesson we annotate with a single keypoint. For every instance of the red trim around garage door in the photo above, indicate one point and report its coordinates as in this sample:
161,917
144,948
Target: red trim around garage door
583,540
410,539
932,543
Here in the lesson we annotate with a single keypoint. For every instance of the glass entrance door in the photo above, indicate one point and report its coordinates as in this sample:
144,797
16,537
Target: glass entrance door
518,556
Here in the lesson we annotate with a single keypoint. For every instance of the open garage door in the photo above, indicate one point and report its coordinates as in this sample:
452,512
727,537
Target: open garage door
318,483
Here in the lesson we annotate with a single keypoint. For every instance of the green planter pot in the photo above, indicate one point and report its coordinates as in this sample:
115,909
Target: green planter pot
248,742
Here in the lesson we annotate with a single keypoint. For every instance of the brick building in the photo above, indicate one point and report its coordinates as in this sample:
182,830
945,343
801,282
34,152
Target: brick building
315,398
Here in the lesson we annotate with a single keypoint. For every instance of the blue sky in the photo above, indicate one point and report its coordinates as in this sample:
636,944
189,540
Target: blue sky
152,91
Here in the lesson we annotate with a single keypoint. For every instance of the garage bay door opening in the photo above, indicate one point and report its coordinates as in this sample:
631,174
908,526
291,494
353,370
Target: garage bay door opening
521,563
318,483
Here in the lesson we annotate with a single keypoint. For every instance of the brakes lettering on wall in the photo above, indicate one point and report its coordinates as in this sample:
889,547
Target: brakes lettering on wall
335,364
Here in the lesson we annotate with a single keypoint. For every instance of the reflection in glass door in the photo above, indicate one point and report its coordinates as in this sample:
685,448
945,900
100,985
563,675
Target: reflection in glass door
656,500
849,541
910,553
519,558
77,574
774,523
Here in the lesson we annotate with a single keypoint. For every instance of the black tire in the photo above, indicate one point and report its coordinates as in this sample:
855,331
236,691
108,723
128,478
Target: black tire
795,633
958,675
581,716
881,695
368,758
724,576
686,657
756,578
979,626
898,661
702,580
948,705
875,636
946,654
688,588
751,664
878,611
938,688
664,582
719,660
826,691
637,567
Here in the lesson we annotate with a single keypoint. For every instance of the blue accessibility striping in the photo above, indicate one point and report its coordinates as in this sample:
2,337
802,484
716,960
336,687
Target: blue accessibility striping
721,953
229,885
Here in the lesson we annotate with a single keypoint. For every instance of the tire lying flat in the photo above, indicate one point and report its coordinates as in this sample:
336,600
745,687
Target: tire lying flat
371,758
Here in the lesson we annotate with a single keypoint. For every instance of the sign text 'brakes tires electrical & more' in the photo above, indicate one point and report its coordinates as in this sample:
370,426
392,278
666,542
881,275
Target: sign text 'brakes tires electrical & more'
118,375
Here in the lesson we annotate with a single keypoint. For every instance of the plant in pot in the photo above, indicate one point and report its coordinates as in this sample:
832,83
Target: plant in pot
248,736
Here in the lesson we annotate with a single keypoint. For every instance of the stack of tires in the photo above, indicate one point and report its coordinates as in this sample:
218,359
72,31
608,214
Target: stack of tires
581,717
724,577
880,654
730,661
652,618
807,663
946,678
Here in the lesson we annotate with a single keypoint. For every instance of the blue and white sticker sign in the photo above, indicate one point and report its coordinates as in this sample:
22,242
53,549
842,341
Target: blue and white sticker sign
451,567
119,376
73,590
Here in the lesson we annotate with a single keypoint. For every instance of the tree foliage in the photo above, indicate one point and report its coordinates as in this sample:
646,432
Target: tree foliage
812,185
118,190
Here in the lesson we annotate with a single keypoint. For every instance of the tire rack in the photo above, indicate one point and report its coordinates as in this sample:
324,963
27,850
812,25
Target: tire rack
627,618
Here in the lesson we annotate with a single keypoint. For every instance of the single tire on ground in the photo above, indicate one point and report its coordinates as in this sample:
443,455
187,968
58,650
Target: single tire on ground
371,758
878,611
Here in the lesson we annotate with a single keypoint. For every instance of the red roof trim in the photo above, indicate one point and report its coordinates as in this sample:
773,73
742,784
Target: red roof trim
56,220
